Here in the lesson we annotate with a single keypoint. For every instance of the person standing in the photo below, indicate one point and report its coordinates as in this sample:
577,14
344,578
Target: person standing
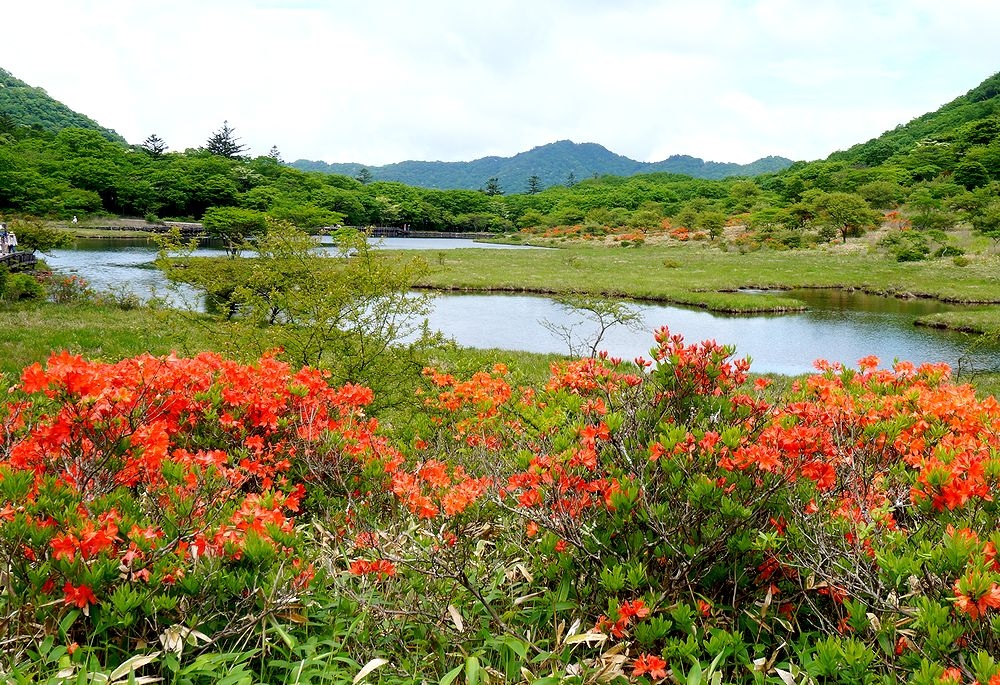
3,239
12,242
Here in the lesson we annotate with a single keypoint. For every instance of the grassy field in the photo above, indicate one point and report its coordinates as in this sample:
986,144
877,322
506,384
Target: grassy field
706,276
31,332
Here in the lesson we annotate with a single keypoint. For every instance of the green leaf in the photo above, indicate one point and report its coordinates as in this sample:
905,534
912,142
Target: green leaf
694,675
472,671
451,675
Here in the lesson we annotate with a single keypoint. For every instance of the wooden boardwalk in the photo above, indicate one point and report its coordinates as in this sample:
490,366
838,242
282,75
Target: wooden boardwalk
18,260
400,232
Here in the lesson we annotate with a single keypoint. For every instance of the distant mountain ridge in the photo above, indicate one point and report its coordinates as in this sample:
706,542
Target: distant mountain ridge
552,163
29,106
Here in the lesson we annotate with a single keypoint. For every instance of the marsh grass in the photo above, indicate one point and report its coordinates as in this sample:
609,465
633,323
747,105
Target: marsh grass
707,277
979,320
33,331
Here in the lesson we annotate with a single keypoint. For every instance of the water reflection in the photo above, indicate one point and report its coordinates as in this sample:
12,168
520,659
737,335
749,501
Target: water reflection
780,343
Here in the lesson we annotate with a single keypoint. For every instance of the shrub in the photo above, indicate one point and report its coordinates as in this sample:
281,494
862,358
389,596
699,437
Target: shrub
66,289
906,245
661,517
22,287
141,497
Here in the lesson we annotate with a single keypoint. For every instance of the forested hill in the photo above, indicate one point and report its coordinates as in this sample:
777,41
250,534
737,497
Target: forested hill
553,164
24,105
936,138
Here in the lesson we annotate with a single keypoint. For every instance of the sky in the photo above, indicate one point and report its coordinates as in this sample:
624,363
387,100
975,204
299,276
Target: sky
381,81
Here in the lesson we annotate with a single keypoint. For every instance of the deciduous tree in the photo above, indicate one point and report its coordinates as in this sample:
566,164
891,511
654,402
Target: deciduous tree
848,213
234,226
34,236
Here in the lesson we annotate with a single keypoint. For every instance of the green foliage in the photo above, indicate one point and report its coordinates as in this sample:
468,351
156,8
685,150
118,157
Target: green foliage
971,174
848,213
711,222
23,107
987,221
18,287
35,236
234,226
906,246
224,143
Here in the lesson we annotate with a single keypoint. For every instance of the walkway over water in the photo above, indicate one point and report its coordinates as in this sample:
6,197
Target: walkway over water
19,260
400,232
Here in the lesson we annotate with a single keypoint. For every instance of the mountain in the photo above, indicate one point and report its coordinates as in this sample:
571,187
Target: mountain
552,163
971,120
23,105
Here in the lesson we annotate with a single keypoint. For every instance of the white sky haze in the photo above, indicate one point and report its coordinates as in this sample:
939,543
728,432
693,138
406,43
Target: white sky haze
379,81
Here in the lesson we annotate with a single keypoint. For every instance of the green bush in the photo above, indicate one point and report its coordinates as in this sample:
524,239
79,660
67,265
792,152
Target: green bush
906,246
23,287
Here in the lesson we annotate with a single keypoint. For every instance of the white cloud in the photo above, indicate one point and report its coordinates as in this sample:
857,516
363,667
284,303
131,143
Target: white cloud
387,80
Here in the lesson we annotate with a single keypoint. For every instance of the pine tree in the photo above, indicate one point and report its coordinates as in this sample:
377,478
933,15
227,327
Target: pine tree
225,143
154,145
493,186
534,184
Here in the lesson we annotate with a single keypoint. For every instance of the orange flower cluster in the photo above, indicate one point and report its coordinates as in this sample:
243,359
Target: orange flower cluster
436,488
649,664
627,613
199,447
378,568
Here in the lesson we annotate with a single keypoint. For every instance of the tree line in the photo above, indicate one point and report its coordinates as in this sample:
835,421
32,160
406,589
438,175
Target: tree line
934,184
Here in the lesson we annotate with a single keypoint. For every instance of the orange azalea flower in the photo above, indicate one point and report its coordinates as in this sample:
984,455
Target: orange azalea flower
636,608
81,596
380,568
975,608
651,664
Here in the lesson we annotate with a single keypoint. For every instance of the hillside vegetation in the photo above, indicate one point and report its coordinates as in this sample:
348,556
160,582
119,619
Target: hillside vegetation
964,125
24,105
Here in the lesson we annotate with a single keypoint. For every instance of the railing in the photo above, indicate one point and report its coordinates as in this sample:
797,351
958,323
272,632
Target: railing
19,259
400,232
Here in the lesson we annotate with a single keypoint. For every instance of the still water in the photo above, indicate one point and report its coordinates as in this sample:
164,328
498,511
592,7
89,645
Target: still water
839,326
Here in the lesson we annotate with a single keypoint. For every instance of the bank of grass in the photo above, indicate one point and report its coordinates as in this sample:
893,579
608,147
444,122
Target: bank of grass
979,320
84,232
706,276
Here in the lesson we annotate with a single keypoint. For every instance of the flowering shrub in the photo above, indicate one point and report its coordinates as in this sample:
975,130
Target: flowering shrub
65,289
157,491
661,518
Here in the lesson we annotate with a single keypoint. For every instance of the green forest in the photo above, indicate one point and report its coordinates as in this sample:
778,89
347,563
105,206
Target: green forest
940,169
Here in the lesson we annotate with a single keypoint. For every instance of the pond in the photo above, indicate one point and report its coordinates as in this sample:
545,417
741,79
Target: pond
839,326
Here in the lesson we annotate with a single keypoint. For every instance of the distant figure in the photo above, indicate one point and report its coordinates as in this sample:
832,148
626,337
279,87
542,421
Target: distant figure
11,242
4,249
74,218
